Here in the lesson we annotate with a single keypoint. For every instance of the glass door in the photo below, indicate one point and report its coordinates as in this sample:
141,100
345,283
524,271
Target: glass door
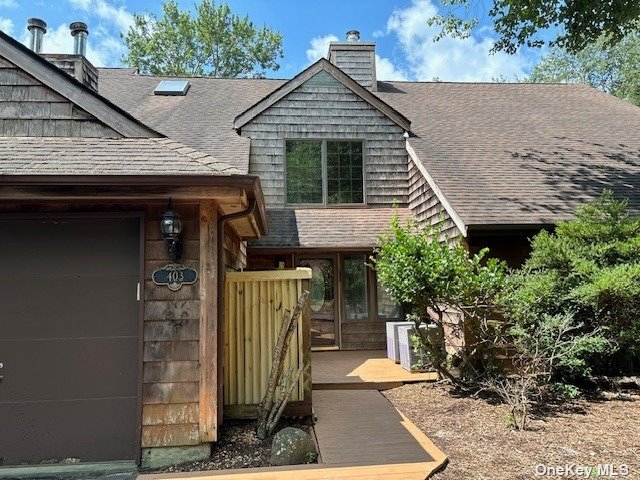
323,300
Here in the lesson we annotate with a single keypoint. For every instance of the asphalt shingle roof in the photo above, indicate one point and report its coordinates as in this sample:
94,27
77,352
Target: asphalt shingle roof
202,119
501,153
105,156
328,227
521,153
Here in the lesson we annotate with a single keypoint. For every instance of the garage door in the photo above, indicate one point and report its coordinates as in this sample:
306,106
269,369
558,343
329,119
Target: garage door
68,339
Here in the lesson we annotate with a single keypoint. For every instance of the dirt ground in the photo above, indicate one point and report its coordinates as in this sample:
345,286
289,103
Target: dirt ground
473,433
238,447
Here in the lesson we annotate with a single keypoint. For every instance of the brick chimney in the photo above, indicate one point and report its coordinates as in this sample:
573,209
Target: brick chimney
75,64
357,59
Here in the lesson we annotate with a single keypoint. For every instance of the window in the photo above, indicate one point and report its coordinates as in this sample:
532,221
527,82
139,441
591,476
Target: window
355,287
344,172
324,172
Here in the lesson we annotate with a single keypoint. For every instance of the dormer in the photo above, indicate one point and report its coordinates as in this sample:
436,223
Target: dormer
355,58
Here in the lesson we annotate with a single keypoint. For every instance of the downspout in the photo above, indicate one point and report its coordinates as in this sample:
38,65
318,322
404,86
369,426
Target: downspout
221,276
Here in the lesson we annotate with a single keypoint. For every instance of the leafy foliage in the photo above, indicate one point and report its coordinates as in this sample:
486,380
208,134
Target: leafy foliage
525,22
610,68
589,269
215,42
435,280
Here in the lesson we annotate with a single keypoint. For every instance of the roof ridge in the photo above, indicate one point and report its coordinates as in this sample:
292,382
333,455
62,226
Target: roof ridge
191,77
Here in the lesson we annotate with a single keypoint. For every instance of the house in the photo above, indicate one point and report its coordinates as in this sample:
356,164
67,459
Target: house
265,174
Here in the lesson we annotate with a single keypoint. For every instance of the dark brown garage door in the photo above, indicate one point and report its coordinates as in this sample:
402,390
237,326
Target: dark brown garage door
68,339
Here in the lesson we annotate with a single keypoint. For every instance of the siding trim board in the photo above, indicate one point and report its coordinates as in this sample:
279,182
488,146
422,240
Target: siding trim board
321,65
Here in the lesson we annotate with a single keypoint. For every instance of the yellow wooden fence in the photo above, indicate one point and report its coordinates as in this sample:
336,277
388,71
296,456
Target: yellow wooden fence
254,306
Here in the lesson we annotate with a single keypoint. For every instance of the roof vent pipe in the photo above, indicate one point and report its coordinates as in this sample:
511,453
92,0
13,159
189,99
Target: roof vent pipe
79,32
37,28
353,36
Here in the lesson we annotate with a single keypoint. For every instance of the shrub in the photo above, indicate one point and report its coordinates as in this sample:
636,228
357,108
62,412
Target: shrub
431,278
588,268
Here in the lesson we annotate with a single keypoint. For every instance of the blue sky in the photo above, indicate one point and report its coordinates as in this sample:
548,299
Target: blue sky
403,40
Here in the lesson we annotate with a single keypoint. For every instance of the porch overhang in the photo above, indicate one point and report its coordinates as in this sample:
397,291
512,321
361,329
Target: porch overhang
232,193
344,228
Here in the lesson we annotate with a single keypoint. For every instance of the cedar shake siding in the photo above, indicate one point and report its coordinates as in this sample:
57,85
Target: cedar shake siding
426,206
29,108
170,390
323,108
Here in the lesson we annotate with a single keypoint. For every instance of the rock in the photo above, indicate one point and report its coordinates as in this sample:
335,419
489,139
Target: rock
292,446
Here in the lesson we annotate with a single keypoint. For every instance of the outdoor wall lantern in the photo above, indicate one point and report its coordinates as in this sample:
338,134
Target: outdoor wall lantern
171,227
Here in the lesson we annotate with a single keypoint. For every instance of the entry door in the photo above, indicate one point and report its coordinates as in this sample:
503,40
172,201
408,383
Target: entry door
323,300
69,339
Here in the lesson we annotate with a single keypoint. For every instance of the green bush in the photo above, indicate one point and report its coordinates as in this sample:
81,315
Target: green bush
431,278
588,268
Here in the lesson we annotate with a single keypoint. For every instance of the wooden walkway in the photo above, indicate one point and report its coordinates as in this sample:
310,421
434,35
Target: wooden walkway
361,427
360,369
361,436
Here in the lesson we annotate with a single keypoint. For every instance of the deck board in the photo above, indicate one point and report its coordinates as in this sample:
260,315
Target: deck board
361,427
361,369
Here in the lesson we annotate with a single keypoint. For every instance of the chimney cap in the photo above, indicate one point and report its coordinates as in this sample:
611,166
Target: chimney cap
353,36
77,27
37,23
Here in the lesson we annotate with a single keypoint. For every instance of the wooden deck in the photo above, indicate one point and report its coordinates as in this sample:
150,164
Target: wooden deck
361,427
360,436
360,369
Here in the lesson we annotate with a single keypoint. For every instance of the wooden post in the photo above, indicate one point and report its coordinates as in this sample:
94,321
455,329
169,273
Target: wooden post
306,343
208,336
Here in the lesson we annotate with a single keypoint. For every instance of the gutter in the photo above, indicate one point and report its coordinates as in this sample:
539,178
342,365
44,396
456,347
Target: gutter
222,221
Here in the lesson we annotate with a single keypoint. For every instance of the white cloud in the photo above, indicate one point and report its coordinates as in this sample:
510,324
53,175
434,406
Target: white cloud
449,59
6,25
320,47
59,40
8,4
385,70
119,16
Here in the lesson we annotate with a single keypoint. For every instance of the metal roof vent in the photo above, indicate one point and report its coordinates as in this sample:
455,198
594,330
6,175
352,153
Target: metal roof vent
353,36
172,87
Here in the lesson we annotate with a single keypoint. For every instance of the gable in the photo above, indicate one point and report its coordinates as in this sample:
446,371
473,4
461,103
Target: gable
322,65
30,108
21,68
324,108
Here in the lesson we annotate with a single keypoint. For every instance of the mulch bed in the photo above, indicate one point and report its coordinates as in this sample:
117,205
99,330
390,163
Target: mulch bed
473,433
237,447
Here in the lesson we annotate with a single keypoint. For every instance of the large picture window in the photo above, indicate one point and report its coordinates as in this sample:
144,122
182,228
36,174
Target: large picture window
321,172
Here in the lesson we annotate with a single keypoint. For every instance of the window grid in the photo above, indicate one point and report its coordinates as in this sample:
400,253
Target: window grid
321,172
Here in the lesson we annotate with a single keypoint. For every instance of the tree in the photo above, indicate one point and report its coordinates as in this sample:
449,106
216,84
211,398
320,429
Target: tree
577,23
610,68
214,42
431,278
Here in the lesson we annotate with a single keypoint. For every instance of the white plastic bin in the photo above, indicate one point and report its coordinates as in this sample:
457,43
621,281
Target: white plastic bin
410,359
392,339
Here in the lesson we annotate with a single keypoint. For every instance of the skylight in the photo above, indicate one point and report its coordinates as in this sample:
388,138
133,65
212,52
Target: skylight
172,87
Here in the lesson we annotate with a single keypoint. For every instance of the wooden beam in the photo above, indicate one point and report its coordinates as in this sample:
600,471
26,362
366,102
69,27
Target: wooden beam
208,334
229,195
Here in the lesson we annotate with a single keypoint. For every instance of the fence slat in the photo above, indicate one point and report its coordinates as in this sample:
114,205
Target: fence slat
255,304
